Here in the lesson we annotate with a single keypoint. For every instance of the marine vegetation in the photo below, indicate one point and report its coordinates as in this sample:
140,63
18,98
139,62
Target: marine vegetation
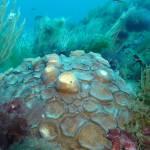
10,31
144,94
137,132
35,143
121,139
117,35
16,122
13,124
48,35
139,126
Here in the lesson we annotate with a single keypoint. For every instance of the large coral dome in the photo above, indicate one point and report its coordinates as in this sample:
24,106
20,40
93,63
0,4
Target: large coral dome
81,95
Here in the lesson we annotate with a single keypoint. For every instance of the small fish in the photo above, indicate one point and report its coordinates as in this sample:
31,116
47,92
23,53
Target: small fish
38,17
138,60
33,9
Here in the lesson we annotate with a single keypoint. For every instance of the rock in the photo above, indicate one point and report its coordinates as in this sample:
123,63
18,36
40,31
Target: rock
72,101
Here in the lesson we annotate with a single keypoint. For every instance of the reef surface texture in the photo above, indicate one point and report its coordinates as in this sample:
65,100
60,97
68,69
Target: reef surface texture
74,100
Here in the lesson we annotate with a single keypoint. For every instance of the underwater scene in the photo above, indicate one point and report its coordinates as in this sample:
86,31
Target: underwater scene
75,75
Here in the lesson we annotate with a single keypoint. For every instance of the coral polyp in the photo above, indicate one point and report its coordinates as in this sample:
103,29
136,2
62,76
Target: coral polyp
67,82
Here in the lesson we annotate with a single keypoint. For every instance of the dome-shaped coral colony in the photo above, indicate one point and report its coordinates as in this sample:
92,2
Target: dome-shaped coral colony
81,98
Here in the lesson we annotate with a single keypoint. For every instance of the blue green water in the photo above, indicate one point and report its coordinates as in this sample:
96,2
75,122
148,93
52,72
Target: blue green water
73,10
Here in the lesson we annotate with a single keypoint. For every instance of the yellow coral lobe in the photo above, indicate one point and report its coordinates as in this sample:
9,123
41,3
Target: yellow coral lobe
54,60
51,73
67,82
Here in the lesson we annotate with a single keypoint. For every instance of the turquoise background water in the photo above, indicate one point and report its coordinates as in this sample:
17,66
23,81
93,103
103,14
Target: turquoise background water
73,10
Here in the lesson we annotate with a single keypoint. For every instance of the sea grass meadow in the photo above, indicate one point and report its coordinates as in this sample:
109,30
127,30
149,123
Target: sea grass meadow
74,75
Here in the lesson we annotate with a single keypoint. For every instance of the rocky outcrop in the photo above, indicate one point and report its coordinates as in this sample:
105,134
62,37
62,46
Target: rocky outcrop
81,98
